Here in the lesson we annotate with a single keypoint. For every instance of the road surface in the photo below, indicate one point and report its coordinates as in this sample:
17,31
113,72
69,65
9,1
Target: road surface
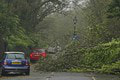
59,76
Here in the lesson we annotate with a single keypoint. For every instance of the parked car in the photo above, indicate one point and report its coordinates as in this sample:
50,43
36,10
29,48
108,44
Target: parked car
36,54
14,62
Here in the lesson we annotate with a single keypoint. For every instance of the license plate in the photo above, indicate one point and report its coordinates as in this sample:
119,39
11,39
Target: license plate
16,62
36,55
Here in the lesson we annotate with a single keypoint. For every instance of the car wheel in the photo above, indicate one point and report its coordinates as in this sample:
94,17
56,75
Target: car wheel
3,73
27,73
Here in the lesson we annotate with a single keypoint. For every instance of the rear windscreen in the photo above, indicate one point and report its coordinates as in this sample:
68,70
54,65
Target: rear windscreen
39,50
15,56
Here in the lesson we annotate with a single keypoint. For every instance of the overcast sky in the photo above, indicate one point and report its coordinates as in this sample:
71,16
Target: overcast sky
73,3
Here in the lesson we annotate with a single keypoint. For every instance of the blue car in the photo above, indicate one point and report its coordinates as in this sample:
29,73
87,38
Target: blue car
14,62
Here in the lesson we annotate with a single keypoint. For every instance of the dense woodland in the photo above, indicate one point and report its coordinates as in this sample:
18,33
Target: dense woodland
26,24
20,20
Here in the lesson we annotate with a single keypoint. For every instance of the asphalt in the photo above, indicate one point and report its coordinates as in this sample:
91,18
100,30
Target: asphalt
49,76
36,75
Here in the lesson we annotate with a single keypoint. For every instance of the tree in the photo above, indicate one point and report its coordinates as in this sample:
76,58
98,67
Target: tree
8,24
114,9
31,13
10,28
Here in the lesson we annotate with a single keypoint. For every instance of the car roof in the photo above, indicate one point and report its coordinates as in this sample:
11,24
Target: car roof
14,52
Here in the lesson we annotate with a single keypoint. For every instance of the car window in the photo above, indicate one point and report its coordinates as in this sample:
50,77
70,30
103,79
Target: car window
15,56
39,50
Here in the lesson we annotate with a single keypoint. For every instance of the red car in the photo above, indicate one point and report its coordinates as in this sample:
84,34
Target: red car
37,53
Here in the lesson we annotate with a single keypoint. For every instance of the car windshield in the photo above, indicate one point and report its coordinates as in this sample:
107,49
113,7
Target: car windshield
15,56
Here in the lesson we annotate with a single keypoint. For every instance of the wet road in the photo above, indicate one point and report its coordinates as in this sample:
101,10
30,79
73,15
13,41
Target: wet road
60,76
49,76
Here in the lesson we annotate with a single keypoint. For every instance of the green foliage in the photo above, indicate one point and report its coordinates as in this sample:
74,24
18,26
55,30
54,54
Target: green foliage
31,13
71,58
21,26
19,40
103,54
46,64
114,68
102,58
11,31
8,21
100,28
114,9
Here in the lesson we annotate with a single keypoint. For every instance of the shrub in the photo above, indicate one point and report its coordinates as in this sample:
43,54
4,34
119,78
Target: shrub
114,68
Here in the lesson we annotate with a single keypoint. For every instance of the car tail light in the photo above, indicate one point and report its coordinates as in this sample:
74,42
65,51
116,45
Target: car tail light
27,63
31,55
5,62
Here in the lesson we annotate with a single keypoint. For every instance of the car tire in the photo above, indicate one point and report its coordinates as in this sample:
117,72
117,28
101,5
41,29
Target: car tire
3,73
27,73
